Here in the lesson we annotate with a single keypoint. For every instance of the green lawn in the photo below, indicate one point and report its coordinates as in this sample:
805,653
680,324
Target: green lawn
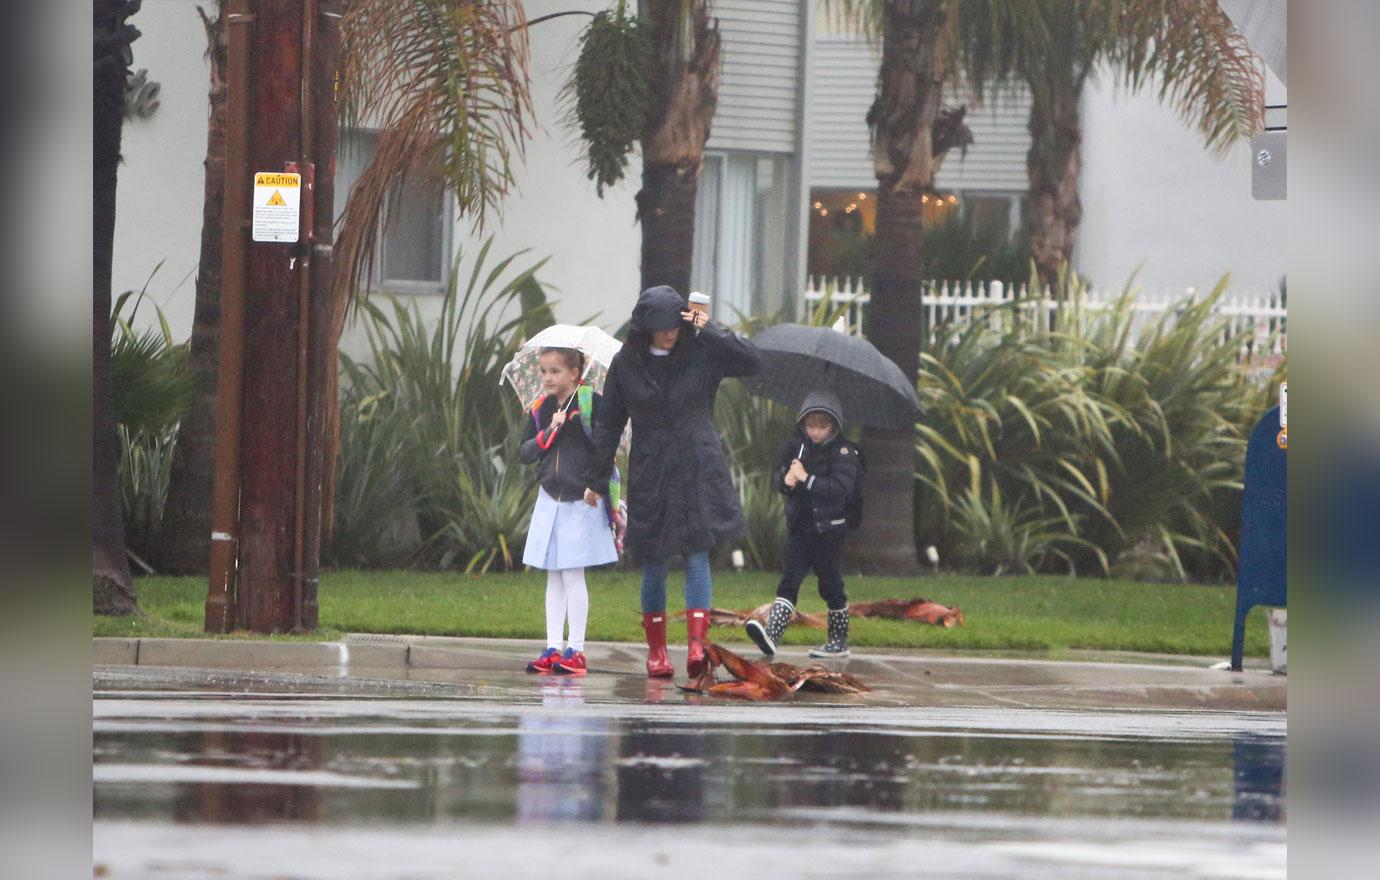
1014,613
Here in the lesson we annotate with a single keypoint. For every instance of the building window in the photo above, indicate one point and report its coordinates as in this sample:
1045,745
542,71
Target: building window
414,243
742,224
966,234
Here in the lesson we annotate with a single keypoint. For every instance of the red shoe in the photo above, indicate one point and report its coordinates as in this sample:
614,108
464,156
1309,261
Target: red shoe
572,662
696,628
542,664
658,664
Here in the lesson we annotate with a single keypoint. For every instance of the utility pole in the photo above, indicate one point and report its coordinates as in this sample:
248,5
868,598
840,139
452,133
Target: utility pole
275,338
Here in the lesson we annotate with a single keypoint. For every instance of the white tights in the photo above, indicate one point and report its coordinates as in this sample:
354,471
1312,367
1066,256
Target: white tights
566,597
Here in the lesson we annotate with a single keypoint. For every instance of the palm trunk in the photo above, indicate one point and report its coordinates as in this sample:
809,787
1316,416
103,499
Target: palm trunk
112,586
902,118
183,538
686,84
1052,208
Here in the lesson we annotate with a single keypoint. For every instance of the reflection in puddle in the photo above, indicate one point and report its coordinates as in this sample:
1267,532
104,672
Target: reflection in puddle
568,760
560,758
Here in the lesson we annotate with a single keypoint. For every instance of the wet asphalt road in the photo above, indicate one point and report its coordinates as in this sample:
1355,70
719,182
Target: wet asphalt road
201,774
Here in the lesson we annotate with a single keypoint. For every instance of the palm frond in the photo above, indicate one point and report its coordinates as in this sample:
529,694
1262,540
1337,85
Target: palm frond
446,84
1202,66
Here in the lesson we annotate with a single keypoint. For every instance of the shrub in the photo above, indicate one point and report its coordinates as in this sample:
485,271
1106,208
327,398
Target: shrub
431,394
1127,441
153,389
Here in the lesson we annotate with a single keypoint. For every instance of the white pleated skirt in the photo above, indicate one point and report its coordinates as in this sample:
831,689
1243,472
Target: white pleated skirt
568,534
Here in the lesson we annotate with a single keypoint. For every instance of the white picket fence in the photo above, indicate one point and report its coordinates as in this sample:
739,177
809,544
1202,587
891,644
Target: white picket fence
1256,318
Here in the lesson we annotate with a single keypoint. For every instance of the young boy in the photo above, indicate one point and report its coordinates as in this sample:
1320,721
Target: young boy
818,472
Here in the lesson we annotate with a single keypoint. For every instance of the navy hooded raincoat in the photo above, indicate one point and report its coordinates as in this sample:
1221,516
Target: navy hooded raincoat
680,495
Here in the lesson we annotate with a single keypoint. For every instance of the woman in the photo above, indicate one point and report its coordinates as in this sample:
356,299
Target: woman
681,500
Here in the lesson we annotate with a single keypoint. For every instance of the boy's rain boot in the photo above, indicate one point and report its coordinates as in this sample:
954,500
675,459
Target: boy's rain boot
778,618
837,646
696,628
658,664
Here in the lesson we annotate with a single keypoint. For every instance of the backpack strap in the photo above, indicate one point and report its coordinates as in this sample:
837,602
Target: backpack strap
536,420
536,411
585,400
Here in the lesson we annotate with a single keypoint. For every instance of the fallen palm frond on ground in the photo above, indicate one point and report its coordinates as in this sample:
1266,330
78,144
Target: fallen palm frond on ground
925,610
730,617
759,681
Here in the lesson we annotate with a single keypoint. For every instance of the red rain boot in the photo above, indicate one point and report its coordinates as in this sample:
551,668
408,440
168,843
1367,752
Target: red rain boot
696,628
658,664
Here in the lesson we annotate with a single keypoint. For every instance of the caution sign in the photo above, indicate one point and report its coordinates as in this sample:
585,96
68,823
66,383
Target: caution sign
277,206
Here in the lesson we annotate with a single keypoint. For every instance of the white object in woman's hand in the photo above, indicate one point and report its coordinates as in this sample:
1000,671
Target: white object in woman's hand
695,317
592,498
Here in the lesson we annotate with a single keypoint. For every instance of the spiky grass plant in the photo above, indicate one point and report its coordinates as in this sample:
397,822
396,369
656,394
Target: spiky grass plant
437,383
153,389
1130,437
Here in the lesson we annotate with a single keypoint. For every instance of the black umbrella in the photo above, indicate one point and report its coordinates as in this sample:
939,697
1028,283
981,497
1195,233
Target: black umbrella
798,359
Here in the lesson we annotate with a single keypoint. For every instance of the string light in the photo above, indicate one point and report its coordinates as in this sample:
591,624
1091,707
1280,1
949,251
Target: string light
862,197
924,200
824,212
818,205
953,200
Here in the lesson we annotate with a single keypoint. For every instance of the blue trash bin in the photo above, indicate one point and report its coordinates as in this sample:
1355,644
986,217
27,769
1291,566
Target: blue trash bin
1261,571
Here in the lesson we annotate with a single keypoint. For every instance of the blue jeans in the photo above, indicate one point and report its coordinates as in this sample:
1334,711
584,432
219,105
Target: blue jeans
699,589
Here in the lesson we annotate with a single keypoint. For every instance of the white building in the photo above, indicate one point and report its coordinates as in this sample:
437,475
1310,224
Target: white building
789,132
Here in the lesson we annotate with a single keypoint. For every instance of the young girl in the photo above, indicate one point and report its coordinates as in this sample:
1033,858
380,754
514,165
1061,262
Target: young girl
566,534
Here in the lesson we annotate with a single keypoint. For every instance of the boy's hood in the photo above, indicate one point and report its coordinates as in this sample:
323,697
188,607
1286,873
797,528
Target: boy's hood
822,401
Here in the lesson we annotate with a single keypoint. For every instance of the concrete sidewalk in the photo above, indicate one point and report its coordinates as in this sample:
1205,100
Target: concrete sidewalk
617,672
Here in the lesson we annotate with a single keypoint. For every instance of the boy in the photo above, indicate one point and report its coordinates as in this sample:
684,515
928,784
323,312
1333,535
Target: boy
818,473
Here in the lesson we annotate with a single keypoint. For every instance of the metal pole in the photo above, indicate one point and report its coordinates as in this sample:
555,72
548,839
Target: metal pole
220,597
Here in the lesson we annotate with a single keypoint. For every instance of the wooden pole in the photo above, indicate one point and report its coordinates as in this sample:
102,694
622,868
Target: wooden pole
225,496
275,338
322,353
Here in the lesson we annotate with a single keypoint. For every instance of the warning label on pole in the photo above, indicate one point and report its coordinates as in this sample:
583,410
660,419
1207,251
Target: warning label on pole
277,206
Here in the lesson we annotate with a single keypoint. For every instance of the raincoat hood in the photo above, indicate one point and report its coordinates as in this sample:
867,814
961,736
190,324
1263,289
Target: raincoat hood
825,402
658,308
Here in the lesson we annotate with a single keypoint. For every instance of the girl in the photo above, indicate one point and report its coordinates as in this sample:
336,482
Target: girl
566,534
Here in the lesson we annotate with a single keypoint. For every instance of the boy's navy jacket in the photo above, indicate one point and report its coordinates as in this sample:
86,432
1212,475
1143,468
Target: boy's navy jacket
562,468
834,471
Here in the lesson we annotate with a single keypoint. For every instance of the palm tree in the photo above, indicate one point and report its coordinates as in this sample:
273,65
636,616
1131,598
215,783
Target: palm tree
186,519
685,92
1205,70
912,132
1186,49
112,586
651,78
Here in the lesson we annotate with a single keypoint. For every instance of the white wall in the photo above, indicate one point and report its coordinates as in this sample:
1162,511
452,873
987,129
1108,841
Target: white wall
1152,194
159,195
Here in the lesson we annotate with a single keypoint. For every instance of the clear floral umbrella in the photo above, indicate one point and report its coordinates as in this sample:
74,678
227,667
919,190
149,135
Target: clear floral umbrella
599,348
